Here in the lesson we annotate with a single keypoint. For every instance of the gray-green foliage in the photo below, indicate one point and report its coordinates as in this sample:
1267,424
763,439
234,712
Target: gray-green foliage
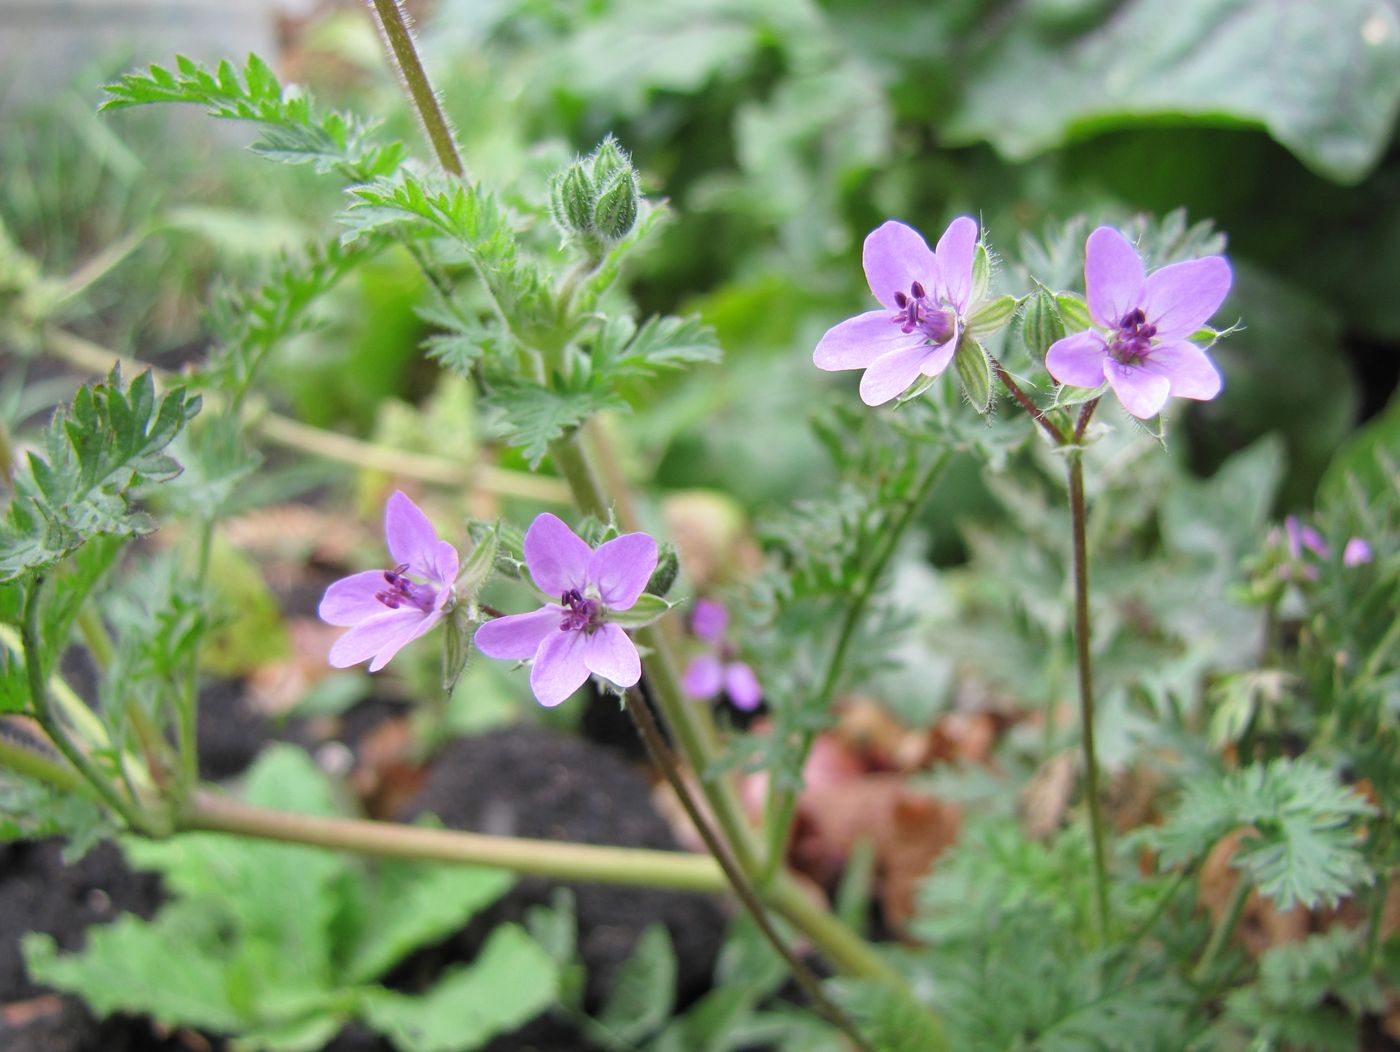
281,945
108,442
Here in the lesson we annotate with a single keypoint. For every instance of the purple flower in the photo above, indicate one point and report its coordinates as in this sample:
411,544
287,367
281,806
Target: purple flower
570,639
386,610
925,297
1300,536
1143,350
714,671
1356,552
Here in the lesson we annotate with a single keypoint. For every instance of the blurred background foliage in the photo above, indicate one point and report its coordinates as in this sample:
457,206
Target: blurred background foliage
782,131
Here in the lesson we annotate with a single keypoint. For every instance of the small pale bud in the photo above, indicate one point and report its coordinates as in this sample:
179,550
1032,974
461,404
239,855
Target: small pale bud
615,213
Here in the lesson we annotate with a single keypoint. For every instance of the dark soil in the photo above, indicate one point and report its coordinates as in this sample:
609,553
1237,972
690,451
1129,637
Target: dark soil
525,781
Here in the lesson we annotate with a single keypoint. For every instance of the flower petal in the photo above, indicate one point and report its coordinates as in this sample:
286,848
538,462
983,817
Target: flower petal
1113,276
517,637
1186,367
610,654
559,669
956,250
352,599
891,373
858,341
408,635
703,677
411,536
1179,299
369,637
1078,360
1357,552
1142,393
896,256
621,569
709,620
938,358
557,559
742,686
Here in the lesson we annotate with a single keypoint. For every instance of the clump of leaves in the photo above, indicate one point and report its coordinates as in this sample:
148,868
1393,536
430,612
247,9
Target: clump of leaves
282,945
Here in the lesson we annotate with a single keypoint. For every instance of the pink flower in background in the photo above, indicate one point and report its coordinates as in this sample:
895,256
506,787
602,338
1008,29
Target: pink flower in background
1141,346
386,610
1356,552
925,296
1301,535
715,670
570,639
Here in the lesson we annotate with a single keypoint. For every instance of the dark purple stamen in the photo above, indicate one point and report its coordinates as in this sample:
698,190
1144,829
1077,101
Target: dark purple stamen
1132,338
917,314
581,614
401,590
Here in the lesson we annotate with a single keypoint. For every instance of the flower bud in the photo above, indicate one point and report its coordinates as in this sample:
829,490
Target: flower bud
615,212
664,576
1041,324
571,200
607,159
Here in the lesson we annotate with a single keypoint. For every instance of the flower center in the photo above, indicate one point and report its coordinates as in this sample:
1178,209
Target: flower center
581,614
1132,338
402,591
918,313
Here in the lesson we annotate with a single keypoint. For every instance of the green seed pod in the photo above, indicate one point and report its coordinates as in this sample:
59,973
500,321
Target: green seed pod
615,212
571,200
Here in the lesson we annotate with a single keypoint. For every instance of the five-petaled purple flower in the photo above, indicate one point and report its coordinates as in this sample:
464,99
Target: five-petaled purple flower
387,609
1142,350
716,670
925,296
573,637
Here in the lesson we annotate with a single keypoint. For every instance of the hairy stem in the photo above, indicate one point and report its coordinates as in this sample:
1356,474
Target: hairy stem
660,754
49,720
1027,403
782,806
1083,658
399,39
640,867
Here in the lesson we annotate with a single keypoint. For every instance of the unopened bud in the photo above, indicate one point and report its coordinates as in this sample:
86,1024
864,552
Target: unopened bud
615,213
571,199
607,159
1041,324
664,576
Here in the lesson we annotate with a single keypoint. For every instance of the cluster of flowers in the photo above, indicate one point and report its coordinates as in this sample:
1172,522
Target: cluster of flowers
1139,346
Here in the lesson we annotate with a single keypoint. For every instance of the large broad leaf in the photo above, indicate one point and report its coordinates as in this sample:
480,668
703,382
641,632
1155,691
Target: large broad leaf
512,980
1320,77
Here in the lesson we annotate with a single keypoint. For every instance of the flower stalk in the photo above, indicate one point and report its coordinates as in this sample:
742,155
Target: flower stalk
393,23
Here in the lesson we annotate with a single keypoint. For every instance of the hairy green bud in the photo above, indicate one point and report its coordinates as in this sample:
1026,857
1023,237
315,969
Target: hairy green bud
607,159
664,576
615,212
571,199
1041,324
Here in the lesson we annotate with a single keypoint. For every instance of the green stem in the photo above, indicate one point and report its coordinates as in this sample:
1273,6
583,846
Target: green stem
661,756
699,748
399,39
1220,934
48,719
1157,911
38,767
783,806
1083,658
640,867
95,636
1028,404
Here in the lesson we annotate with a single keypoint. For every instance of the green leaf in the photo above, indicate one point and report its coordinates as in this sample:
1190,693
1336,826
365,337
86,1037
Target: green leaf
1302,846
294,129
975,373
31,810
1218,62
992,316
96,451
511,981
644,991
886,1019
624,351
531,418
411,904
